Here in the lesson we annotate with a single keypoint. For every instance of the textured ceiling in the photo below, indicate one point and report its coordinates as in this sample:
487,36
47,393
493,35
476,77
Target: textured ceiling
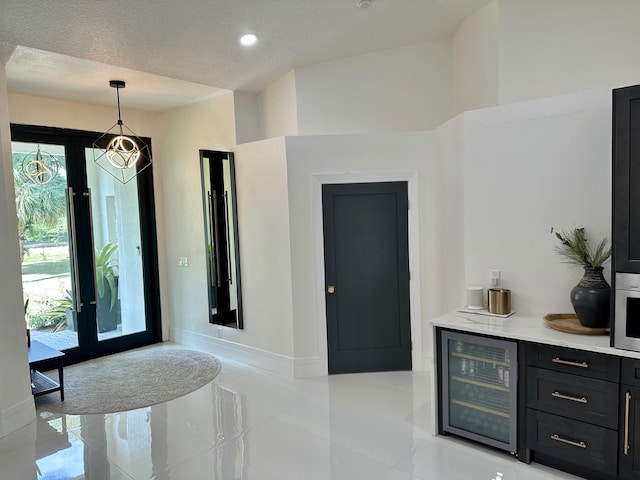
71,48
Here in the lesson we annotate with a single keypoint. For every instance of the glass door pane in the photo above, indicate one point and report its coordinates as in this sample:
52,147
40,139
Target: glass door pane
115,223
43,208
479,388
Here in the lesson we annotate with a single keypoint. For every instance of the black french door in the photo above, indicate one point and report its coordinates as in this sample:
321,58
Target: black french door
88,246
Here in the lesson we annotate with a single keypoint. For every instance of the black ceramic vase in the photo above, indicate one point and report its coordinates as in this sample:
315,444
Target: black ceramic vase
591,298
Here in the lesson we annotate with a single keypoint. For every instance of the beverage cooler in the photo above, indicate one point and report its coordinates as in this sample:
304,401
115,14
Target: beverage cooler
479,387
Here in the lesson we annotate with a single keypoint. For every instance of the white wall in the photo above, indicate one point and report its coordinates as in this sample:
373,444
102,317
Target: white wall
403,89
263,218
443,259
530,167
475,60
277,108
439,207
265,248
50,112
551,47
263,225
247,116
16,402
180,135
265,263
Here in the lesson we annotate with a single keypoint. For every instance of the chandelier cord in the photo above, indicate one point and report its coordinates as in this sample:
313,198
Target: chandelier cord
118,96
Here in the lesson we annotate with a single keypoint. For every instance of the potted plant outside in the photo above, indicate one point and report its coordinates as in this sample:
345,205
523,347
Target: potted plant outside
108,311
591,297
63,315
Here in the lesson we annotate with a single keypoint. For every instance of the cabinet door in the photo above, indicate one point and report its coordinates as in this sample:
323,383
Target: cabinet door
626,179
629,432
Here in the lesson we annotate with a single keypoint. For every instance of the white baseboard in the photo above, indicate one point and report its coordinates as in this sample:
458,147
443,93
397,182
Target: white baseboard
427,363
17,416
274,362
256,357
309,367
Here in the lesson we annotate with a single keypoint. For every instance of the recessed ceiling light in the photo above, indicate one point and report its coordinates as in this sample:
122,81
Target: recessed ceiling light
248,39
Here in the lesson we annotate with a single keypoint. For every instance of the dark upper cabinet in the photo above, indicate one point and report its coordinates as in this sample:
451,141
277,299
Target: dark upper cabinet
626,179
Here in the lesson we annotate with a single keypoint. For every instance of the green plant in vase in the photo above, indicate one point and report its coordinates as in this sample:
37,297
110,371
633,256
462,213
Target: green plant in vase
576,250
591,297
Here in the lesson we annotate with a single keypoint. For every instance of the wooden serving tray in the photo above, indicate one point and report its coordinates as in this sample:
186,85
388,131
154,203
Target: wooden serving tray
568,322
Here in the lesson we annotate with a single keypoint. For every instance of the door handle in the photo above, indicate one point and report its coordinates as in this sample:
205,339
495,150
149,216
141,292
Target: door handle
331,289
74,247
627,399
216,235
93,256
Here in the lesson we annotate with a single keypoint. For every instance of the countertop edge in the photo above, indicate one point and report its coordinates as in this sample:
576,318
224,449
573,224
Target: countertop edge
529,327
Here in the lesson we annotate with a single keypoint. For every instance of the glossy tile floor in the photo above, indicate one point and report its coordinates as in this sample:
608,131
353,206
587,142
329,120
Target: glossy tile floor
253,425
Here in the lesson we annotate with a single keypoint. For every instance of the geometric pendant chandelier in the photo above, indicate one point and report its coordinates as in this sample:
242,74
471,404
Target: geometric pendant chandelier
119,151
40,167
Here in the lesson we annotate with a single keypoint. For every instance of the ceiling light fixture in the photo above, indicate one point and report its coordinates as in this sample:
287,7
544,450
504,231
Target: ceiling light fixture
364,3
248,39
119,151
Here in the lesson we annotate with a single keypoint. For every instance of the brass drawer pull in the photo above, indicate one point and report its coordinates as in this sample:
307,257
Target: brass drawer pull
567,362
568,397
558,438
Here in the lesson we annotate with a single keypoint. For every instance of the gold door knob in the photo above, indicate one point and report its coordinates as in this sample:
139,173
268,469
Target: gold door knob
331,289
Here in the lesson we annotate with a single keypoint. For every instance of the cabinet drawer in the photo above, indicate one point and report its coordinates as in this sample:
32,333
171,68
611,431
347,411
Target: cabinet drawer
577,362
587,399
572,441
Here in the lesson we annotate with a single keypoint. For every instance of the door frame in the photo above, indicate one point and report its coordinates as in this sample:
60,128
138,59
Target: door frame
414,256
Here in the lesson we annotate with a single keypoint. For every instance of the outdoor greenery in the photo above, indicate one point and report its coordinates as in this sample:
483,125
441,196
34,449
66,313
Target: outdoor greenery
42,228
106,272
41,209
45,317
575,248
57,314
47,267
41,212
47,311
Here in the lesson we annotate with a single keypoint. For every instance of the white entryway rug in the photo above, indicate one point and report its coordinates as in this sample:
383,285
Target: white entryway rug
130,380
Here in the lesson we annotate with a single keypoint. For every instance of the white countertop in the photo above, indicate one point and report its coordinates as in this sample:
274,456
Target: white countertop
530,328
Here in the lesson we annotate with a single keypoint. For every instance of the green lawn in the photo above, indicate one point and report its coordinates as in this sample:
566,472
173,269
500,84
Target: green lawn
49,267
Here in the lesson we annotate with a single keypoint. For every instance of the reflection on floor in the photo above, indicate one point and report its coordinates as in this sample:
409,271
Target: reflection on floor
253,425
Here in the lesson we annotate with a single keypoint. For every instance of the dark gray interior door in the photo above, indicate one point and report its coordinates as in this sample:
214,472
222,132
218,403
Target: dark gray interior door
367,276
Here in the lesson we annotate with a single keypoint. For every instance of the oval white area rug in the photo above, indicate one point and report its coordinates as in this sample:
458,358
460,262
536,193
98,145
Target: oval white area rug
130,380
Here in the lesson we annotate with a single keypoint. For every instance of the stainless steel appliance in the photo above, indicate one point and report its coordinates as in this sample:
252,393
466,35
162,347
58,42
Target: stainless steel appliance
479,386
627,311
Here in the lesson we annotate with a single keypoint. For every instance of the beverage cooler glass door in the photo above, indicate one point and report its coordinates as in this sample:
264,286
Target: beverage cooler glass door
479,386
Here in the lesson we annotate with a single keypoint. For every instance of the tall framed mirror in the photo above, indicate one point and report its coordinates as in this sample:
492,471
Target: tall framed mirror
221,238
